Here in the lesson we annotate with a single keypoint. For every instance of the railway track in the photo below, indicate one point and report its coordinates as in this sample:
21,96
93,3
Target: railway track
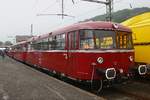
133,91
114,94
145,80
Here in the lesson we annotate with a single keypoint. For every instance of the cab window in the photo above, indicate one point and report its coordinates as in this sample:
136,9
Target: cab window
86,39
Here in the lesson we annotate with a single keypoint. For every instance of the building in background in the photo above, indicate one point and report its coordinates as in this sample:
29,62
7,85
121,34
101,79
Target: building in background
5,44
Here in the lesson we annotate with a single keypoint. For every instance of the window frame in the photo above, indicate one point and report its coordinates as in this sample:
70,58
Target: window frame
115,41
128,34
73,43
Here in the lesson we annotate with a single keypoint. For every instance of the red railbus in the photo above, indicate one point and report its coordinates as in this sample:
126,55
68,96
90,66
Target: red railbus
18,51
88,51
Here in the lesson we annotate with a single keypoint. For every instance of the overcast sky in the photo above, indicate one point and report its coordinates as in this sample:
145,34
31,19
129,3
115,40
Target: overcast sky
16,16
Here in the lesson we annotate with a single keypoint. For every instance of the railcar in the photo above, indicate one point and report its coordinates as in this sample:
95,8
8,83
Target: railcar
141,38
18,51
88,51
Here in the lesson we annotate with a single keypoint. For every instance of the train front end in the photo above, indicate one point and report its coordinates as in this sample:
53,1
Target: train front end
110,54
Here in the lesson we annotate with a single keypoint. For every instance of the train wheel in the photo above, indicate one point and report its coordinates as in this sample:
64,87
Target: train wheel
97,86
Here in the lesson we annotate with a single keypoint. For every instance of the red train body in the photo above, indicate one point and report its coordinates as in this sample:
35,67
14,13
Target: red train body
84,51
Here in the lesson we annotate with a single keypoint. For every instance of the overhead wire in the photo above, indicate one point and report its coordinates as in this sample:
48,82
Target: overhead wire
93,10
84,14
80,15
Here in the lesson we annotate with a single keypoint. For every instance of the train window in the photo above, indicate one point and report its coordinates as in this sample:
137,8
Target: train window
50,43
24,47
97,39
31,46
21,47
57,42
129,41
45,44
104,39
61,41
124,40
86,39
72,40
36,45
18,48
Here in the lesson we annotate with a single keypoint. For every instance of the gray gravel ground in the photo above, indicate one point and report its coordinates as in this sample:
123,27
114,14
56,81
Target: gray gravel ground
20,82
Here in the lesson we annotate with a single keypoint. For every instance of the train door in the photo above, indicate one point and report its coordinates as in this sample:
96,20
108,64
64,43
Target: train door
124,43
59,57
25,46
28,55
72,47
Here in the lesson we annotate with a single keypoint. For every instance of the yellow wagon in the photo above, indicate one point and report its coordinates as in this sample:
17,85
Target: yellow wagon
140,26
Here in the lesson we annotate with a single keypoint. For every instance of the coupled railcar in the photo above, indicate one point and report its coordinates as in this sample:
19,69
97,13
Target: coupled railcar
89,51
18,51
141,39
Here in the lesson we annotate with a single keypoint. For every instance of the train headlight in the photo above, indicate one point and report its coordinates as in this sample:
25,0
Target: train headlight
110,73
115,26
100,60
131,58
142,69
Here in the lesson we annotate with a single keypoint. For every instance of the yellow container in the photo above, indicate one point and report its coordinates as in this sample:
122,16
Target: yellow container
140,26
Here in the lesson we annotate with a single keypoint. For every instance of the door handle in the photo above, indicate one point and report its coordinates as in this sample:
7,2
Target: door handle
66,56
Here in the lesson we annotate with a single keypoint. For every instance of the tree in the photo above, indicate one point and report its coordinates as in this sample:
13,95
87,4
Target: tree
1,43
121,15
8,43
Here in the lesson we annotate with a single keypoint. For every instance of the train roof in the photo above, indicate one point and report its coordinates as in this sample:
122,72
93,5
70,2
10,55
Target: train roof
19,43
88,25
93,25
141,19
84,25
140,26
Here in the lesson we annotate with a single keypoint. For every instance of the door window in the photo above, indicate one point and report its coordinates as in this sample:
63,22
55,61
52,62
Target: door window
72,42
